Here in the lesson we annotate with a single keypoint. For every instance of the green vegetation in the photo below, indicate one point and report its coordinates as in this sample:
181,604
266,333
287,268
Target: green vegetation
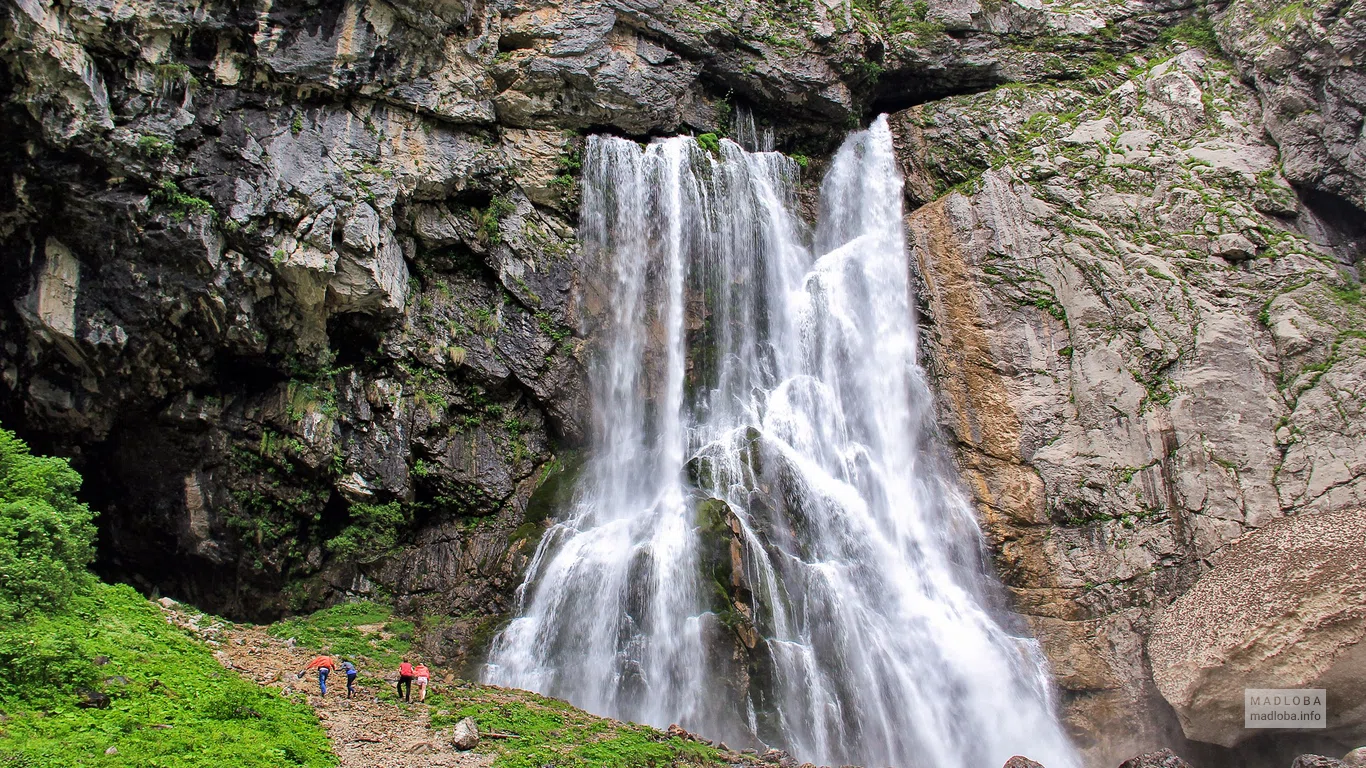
372,532
1196,31
547,731
296,126
490,220
170,704
174,73
361,631
87,667
709,142
153,147
180,204
46,536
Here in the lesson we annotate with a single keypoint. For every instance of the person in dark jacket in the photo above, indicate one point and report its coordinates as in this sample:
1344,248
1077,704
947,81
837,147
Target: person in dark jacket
350,670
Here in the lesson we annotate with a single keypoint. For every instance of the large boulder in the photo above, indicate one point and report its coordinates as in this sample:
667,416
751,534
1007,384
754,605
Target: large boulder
466,735
1284,607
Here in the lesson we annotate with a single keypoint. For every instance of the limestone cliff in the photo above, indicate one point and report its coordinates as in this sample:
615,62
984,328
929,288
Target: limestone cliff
1148,344
297,285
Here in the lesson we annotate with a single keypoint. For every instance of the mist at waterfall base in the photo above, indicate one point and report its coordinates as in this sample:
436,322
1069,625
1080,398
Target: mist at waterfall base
763,547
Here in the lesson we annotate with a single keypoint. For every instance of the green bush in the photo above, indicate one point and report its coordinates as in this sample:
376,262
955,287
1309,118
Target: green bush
372,532
38,666
46,536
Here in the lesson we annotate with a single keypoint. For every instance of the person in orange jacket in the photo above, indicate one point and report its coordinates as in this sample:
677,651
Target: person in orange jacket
323,664
405,681
422,674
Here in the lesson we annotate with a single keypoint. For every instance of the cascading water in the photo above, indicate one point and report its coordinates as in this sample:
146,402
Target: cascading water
762,547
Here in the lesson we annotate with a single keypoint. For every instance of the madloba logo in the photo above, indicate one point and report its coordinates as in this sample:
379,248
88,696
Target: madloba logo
1285,708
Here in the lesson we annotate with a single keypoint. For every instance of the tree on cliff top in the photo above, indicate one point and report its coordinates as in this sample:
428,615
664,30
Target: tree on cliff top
47,537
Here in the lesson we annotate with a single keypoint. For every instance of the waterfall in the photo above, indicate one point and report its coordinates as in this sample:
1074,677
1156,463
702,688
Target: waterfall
763,546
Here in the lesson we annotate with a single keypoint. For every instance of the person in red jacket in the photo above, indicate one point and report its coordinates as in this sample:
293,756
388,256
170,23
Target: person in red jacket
405,681
422,675
323,664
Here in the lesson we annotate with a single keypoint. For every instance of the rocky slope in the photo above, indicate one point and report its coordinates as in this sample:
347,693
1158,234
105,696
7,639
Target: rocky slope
297,284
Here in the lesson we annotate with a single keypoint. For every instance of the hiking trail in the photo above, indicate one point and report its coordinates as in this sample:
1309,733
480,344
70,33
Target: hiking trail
370,730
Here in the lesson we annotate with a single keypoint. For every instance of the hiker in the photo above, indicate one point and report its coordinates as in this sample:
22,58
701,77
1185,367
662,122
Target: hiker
422,674
405,681
350,670
323,664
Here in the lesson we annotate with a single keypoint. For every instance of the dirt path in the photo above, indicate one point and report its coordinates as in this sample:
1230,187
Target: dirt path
367,731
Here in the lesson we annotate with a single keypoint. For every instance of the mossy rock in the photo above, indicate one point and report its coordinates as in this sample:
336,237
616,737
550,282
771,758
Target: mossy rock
556,490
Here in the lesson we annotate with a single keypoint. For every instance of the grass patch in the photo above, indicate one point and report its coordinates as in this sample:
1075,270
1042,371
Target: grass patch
155,676
551,732
179,205
334,630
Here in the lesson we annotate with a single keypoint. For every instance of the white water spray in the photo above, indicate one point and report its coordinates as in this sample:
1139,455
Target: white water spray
763,547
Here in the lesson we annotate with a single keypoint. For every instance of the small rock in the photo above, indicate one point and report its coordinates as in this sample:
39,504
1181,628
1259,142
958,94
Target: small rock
1020,761
773,756
91,699
466,735
112,751
1355,759
167,602
1233,247
1162,758
100,661
749,751
1316,761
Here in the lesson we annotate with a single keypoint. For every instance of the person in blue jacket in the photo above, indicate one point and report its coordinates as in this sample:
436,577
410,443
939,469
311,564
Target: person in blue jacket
350,670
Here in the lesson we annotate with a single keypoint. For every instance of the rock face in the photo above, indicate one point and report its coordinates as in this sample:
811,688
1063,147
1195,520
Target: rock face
297,285
1284,607
1306,63
1146,346
298,289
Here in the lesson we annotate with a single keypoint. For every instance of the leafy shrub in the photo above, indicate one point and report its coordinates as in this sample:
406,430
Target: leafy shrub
709,142
46,536
373,531
40,666
179,204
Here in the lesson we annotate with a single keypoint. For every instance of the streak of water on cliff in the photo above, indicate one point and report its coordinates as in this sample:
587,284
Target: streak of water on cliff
763,547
